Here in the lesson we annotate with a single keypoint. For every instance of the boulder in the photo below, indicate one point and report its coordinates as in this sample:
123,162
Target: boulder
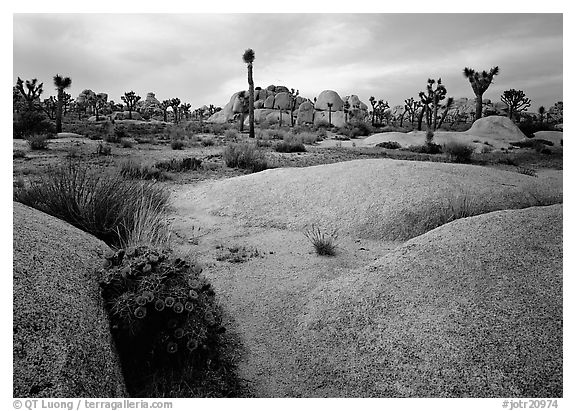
338,118
305,113
151,99
282,101
125,115
498,127
269,102
258,104
281,89
62,345
329,96
240,104
271,88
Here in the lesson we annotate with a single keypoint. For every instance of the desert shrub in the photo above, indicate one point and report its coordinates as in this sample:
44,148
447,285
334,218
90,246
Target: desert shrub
18,154
216,129
309,137
104,150
322,133
527,171
165,321
18,183
535,143
110,134
431,148
263,143
458,151
177,144
92,199
124,142
341,138
531,127
392,145
324,243
37,141
486,149
179,165
322,124
290,144
231,134
356,129
31,122
207,141
246,156
131,168
276,134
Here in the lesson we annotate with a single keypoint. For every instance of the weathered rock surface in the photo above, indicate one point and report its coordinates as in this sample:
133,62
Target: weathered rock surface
329,96
62,343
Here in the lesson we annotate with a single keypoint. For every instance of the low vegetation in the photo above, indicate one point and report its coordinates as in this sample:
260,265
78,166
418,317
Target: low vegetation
166,325
458,152
97,201
246,156
324,243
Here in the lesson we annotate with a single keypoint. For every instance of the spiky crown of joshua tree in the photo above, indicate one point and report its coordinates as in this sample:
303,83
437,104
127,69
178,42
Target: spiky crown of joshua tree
62,82
248,56
480,80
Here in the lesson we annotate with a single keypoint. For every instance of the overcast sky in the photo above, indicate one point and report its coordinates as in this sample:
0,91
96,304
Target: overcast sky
198,57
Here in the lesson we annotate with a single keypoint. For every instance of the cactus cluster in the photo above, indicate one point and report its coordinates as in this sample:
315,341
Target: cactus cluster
162,310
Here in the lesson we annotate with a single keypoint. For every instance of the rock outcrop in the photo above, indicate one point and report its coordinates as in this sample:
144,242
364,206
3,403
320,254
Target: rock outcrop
62,342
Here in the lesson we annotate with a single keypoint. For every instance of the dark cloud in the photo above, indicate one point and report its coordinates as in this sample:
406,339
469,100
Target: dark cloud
197,57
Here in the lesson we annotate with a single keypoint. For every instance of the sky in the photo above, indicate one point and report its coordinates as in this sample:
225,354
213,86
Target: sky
198,57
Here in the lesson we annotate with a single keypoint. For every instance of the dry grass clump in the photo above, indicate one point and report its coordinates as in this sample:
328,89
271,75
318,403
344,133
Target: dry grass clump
94,200
324,243
131,168
246,156
38,141
458,152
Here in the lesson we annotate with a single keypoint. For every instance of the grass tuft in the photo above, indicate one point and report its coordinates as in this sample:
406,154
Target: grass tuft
324,243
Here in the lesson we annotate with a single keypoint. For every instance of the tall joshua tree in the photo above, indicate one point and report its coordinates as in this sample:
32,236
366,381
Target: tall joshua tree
541,112
61,83
447,107
516,101
32,93
175,103
330,113
293,100
434,97
130,98
248,58
480,83
373,103
164,106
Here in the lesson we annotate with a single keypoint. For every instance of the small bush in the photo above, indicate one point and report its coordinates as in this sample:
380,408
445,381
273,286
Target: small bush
246,156
110,134
290,144
177,144
391,145
124,142
38,141
356,129
324,243
458,152
527,171
231,134
131,168
175,165
18,154
207,141
509,161
31,122
431,148
94,200
104,150
164,319
308,137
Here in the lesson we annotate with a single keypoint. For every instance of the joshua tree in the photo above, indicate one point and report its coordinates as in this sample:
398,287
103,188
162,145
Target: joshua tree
541,112
248,58
380,109
164,106
185,110
67,101
50,107
373,103
61,83
99,103
434,97
330,112
346,109
293,99
32,92
175,103
516,101
130,98
410,107
447,107
480,83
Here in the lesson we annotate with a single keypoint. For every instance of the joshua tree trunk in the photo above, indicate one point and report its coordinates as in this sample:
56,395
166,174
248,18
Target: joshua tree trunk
251,100
59,111
420,117
241,122
435,119
402,118
280,121
479,107
330,115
